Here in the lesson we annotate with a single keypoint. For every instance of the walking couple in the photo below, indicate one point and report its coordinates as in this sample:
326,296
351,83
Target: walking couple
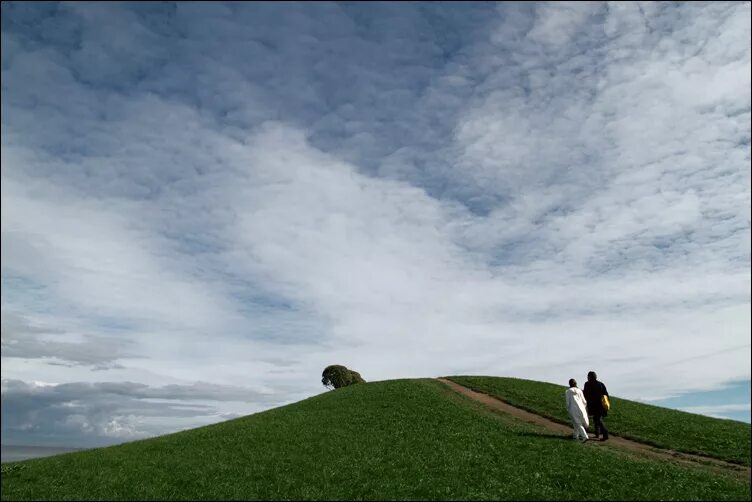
591,401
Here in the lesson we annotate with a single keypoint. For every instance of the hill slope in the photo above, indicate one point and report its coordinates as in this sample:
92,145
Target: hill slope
401,439
727,440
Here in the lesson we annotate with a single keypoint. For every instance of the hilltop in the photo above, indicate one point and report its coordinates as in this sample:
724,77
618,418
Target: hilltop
398,439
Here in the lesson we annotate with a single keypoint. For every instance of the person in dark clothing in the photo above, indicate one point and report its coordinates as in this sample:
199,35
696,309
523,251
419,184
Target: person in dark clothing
594,391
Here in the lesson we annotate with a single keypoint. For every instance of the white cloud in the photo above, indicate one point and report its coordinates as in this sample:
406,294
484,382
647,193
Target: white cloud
557,22
719,410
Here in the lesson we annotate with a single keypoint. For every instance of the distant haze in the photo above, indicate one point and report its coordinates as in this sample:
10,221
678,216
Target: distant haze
10,453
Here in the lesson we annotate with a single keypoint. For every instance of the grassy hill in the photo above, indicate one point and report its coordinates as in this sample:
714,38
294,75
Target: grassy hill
672,429
400,439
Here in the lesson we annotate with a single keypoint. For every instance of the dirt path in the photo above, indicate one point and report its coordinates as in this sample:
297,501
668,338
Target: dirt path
614,441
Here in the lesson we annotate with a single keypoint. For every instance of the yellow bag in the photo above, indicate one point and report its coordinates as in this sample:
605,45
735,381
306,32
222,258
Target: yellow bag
604,402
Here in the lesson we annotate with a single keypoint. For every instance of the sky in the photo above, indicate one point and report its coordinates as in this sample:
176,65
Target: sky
205,204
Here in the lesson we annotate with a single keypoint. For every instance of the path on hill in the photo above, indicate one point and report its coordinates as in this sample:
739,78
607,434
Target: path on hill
614,441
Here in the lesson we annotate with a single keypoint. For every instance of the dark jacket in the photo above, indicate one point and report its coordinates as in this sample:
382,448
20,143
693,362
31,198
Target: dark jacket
593,392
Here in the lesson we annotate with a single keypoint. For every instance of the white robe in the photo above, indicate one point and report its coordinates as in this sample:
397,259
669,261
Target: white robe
576,405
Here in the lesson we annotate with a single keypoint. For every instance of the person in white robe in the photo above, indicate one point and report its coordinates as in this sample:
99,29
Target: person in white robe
577,407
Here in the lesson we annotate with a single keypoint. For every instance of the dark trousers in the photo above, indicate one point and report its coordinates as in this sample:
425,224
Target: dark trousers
600,427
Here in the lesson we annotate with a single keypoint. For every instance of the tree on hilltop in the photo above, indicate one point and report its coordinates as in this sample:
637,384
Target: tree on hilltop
336,376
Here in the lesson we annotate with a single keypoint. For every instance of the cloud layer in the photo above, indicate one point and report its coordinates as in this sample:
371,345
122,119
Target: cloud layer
241,194
97,413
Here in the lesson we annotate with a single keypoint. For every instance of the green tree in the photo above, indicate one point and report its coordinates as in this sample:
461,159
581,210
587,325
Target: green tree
336,376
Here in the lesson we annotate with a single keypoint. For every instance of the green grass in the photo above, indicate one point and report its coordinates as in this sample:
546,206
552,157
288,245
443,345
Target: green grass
400,439
677,430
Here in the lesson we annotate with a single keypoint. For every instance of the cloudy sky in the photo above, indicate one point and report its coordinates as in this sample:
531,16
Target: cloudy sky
205,204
